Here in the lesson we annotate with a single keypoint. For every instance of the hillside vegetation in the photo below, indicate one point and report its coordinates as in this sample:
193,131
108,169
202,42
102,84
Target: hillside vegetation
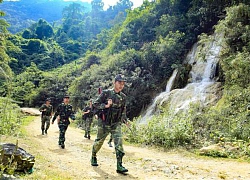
145,44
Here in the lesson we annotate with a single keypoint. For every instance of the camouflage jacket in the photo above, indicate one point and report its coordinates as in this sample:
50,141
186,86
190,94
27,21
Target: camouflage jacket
117,112
64,111
48,112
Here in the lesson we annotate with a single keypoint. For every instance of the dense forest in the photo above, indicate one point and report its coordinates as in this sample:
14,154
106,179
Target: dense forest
87,47
23,13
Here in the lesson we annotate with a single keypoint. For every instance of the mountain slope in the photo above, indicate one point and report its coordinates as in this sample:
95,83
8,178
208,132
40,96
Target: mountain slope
21,14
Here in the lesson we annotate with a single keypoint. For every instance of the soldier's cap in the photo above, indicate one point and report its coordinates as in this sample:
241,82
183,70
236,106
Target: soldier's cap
120,77
48,99
66,96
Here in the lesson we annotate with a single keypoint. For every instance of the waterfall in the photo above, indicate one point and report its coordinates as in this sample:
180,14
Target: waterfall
152,108
202,88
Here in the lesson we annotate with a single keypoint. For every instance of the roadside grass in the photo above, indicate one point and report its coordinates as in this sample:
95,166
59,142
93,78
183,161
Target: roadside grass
26,120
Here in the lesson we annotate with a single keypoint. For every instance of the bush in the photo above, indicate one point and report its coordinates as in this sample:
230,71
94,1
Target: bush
163,131
10,117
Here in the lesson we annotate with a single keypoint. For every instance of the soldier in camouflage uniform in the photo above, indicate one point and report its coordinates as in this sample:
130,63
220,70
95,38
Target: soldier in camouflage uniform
63,113
111,102
88,117
46,110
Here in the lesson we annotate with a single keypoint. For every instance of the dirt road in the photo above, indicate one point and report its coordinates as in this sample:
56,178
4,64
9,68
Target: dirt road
73,162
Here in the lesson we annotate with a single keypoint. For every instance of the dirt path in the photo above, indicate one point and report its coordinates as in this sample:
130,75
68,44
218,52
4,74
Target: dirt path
73,162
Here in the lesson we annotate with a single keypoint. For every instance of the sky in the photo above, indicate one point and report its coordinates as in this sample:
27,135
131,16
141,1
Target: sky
108,3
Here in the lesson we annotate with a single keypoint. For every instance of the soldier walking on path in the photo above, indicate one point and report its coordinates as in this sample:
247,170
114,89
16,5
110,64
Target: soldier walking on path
46,110
63,113
112,103
88,118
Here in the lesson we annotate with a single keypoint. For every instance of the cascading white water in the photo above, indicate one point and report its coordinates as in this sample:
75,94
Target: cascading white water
151,109
202,87
202,80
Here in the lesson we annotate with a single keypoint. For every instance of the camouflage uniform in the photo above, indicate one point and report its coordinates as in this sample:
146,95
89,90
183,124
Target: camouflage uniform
45,118
114,116
88,120
64,111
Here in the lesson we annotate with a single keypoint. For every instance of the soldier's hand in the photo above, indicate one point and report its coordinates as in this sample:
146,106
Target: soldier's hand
110,102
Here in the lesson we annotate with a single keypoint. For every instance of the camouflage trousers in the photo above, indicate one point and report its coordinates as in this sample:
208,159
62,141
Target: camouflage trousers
62,130
103,132
88,123
45,120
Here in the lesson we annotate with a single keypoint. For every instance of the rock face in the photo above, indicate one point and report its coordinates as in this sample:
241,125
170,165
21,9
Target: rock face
11,154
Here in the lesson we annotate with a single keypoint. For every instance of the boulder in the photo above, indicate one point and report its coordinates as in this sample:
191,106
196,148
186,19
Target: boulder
31,111
10,154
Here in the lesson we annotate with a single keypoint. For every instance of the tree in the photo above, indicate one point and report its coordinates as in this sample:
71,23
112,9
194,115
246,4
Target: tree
43,30
73,11
4,58
97,6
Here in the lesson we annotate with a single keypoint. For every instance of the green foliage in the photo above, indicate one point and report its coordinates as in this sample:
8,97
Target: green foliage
144,44
228,121
22,14
164,131
26,85
10,117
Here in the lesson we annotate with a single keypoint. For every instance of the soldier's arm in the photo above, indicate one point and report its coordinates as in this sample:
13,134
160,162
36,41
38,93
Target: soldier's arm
41,109
124,113
56,114
51,111
85,111
99,103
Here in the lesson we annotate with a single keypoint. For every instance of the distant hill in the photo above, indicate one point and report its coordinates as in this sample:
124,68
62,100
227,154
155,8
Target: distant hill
21,14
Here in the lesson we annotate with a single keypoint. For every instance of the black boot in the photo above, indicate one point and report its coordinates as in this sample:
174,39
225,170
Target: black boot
110,144
94,161
85,135
62,146
46,131
120,168
42,132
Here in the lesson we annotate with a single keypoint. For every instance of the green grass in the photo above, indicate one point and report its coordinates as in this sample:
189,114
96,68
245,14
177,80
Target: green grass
26,120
